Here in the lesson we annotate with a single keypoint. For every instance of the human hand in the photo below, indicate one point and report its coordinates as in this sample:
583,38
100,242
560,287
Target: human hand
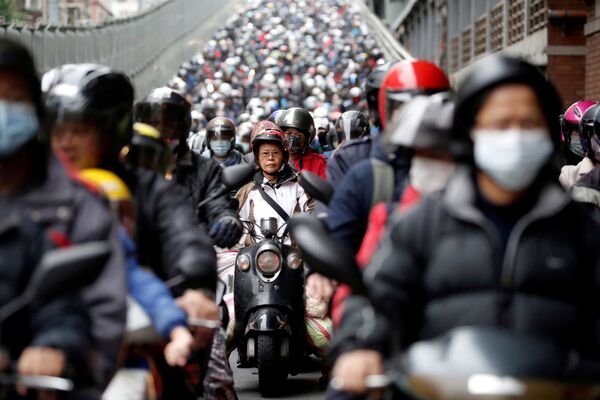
351,370
226,232
319,287
41,361
178,350
197,305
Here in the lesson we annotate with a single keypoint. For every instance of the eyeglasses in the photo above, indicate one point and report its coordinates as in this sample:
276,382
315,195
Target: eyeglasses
270,154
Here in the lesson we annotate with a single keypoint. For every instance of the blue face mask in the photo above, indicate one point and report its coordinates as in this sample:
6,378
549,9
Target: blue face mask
220,147
18,125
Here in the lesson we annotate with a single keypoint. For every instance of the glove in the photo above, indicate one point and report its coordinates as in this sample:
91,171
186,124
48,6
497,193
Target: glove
226,232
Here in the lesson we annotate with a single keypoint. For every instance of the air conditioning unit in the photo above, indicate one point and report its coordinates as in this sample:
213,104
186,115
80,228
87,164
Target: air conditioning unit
33,5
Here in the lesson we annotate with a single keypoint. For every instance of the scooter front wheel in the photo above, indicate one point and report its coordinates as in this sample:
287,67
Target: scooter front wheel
272,364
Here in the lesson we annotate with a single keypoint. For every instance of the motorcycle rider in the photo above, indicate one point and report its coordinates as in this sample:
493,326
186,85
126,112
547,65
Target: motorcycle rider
400,82
498,204
579,142
220,140
91,124
299,131
423,126
169,112
350,125
277,178
574,147
144,287
382,177
34,181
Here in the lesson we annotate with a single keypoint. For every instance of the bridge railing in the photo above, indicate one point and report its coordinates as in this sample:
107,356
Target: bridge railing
148,47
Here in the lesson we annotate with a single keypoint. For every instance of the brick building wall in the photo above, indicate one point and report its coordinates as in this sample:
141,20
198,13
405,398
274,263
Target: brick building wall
592,62
567,48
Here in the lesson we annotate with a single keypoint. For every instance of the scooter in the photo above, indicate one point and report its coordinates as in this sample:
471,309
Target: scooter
269,307
470,362
60,271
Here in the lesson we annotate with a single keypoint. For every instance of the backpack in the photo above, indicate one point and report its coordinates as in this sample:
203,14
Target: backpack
383,181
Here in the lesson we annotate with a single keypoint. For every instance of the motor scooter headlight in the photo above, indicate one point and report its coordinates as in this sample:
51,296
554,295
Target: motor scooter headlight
268,262
243,262
294,261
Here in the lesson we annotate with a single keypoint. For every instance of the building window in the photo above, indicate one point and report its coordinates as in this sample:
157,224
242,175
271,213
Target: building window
465,39
538,11
454,45
516,21
496,27
480,35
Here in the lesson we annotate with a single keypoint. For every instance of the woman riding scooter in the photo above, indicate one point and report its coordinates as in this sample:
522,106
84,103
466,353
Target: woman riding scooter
276,177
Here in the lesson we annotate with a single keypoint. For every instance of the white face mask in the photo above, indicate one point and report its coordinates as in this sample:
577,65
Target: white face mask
428,175
512,158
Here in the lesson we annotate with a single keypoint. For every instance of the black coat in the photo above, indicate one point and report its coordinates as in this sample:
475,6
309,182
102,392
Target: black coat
443,265
62,322
168,237
71,212
201,177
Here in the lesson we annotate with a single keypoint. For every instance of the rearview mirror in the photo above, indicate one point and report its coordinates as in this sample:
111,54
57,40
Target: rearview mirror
237,175
68,269
318,188
325,255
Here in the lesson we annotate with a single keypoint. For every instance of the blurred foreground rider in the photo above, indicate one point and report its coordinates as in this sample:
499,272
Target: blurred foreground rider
299,131
398,83
91,106
491,251
32,179
49,338
382,177
170,113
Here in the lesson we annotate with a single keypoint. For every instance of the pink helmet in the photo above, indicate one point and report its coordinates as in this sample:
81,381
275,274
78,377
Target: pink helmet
569,124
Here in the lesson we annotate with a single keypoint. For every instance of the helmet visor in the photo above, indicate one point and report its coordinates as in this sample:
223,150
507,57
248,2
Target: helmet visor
169,119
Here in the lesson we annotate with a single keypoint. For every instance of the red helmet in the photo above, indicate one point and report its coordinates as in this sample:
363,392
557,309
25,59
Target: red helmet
267,132
406,79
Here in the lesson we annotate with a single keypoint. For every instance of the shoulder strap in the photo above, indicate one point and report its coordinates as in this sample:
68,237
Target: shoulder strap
383,181
272,203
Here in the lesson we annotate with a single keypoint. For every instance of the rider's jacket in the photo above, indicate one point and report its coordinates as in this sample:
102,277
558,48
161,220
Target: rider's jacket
72,213
168,236
313,162
201,177
456,261
61,322
347,155
287,193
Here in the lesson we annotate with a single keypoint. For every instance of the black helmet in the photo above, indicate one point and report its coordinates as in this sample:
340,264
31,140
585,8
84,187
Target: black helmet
16,58
372,85
91,92
489,73
221,128
168,111
300,119
352,125
424,122
590,132
146,149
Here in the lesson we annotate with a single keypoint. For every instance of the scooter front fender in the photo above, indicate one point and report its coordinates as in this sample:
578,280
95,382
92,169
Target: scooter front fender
268,319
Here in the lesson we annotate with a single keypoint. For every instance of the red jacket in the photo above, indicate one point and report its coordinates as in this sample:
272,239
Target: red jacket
313,162
378,218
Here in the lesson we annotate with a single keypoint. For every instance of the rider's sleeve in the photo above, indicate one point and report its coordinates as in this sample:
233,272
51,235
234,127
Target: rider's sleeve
394,282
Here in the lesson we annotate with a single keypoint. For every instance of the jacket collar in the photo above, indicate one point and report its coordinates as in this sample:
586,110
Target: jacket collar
460,196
